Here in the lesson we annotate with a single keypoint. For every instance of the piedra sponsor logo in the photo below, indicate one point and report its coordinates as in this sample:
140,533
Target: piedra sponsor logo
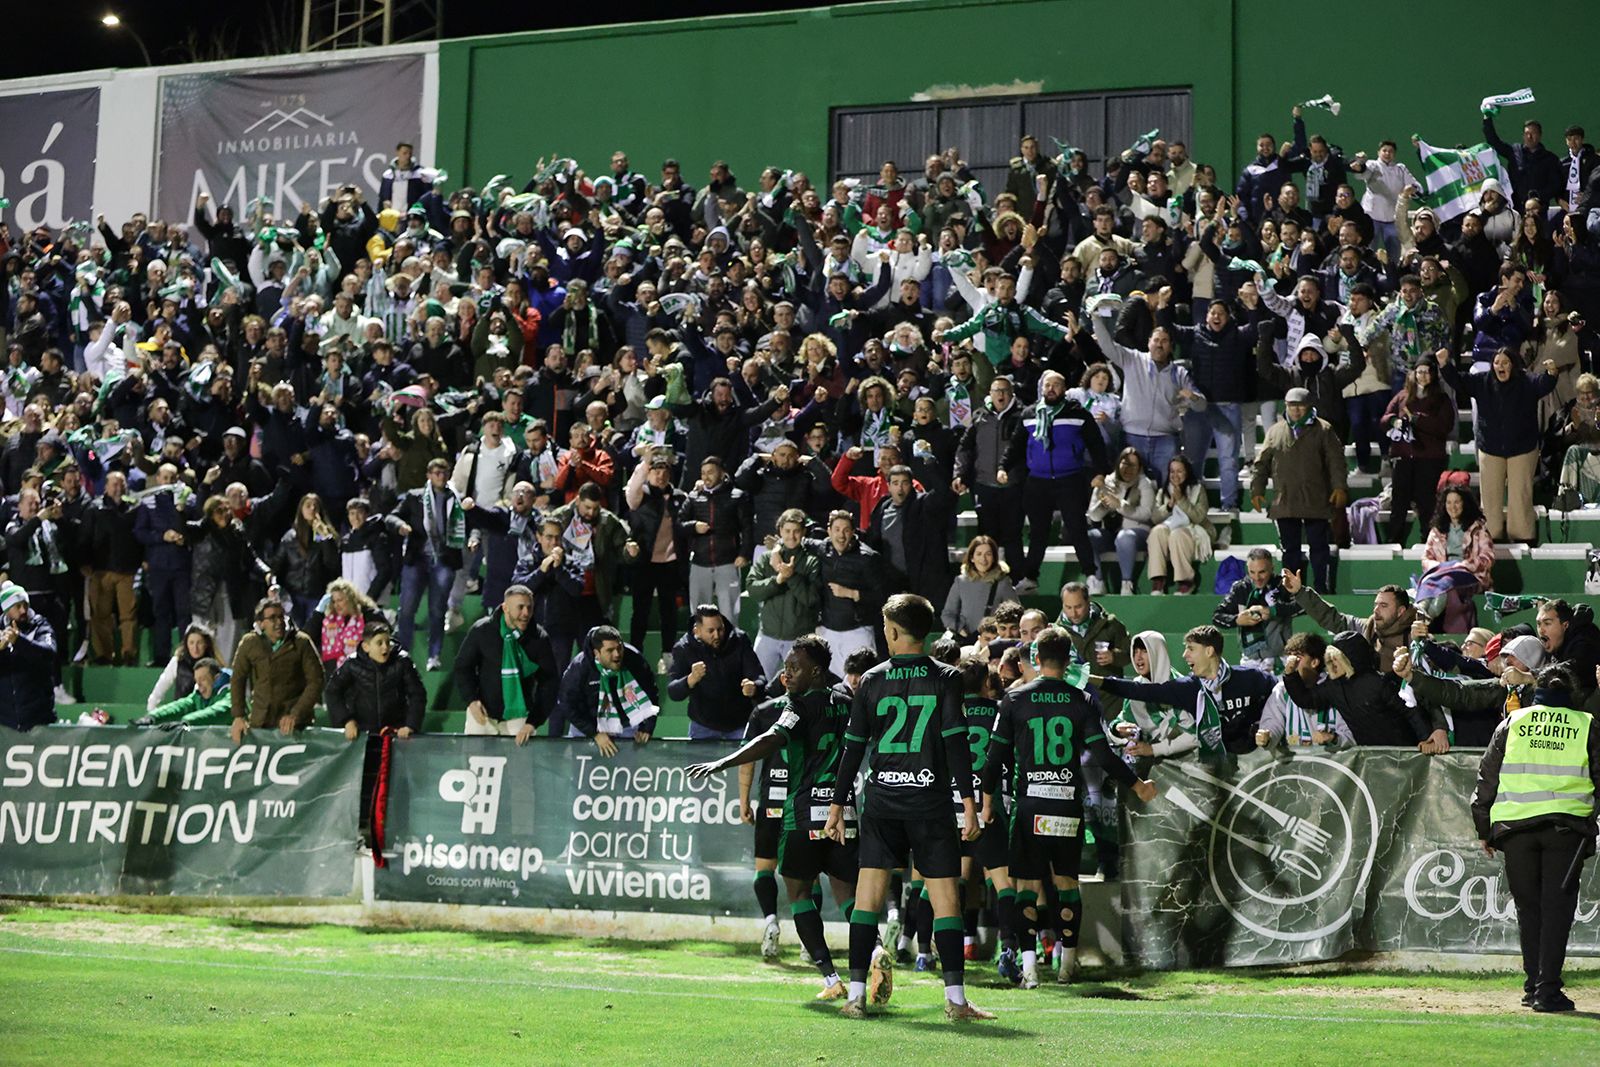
894,779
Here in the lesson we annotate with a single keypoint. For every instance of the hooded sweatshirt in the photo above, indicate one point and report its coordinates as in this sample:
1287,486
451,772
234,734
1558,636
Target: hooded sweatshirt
1169,730
1367,700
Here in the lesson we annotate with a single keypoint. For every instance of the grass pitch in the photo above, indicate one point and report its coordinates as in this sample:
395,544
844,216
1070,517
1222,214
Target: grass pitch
103,987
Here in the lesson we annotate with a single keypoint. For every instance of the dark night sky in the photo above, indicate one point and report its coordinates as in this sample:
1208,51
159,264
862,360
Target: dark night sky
68,36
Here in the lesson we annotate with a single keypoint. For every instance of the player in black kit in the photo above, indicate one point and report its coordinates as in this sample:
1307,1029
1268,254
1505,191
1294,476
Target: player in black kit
765,813
989,854
808,736
1040,733
906,722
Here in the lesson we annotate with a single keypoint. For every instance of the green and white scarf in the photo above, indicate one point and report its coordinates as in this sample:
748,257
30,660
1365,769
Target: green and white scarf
570,334
1492,104
624,693
960,403
44,550
454,535
1208,711
875,428
1146,141
1044,415
1503,604
514,667
1297,426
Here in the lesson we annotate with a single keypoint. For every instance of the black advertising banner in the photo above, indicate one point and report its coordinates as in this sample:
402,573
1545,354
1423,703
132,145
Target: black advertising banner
47,156
291,136
108,810
1303,857
556,825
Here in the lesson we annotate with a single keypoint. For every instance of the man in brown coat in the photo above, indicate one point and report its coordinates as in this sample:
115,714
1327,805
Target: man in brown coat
1304,459
280,668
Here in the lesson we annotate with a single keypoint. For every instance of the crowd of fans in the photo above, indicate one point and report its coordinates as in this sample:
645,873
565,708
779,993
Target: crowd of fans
247,434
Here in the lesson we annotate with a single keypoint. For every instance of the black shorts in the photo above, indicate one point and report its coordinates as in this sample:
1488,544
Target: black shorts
768,832
888,844
1041,846
803,857
991,850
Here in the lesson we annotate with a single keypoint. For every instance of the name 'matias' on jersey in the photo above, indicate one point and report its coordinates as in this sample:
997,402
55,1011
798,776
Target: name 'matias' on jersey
812,726
907,714
1040,734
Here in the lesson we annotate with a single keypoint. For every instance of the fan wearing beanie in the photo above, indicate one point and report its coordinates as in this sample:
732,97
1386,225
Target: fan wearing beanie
27,662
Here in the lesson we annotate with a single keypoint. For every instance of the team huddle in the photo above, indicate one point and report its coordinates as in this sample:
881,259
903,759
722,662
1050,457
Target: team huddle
957,781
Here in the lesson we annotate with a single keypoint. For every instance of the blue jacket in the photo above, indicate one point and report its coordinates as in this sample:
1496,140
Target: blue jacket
335,469
1075,446
1508,412
1493,330
157,514
1261,176
28,676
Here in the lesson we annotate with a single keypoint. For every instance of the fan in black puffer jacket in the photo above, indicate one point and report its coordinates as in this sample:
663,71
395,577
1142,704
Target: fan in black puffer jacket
374,694
1369,702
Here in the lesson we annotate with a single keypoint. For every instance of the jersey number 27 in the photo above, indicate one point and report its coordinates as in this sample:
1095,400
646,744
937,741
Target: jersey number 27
890,742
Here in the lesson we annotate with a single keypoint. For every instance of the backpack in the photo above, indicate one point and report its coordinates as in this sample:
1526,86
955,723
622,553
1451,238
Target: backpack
1230,570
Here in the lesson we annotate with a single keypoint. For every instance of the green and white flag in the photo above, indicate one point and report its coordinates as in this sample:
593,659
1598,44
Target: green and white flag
1454,176
1492,104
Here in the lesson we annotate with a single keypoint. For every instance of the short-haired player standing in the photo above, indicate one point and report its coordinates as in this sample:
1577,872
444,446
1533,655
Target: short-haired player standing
906,723
1040,733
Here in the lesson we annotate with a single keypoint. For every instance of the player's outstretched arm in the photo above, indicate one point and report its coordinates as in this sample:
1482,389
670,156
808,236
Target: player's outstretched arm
753,751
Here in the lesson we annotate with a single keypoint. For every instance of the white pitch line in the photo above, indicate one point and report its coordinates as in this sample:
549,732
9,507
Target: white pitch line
1166,1008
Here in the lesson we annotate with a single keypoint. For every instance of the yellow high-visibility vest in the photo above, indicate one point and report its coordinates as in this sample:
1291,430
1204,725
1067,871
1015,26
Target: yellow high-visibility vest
1546,766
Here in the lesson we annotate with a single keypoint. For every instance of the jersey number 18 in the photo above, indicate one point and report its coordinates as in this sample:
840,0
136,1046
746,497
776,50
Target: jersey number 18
1052,741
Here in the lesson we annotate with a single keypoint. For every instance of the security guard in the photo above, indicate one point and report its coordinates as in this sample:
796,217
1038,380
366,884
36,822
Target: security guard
1536,803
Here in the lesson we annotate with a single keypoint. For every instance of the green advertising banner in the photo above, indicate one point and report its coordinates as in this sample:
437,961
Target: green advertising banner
556,825
1306,856
108,810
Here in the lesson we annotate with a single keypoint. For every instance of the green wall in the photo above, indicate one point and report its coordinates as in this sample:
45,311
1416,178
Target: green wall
684,87
1400,69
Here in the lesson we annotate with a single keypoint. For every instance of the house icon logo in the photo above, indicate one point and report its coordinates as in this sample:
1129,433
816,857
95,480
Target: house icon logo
278,118
477,788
